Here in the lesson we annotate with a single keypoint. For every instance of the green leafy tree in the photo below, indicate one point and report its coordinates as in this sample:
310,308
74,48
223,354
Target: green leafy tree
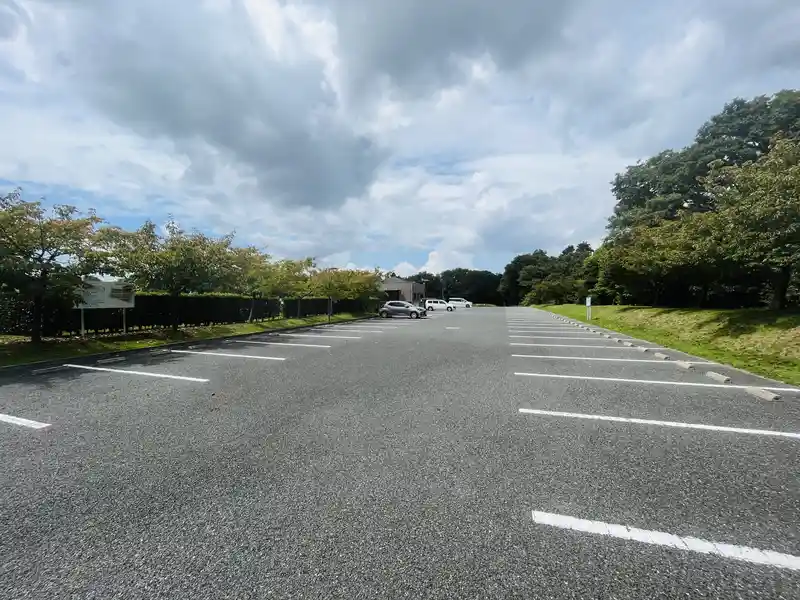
44,255
758,222
176,262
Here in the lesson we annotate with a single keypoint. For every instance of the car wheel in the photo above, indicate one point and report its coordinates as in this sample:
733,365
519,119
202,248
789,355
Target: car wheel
467,306
414,315
384,314
449,309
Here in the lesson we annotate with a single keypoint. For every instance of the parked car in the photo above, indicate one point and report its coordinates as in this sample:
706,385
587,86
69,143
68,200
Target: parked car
399,308
460,302
435,304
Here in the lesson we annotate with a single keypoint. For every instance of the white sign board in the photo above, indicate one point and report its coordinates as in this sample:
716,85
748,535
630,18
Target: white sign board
107,294
588,300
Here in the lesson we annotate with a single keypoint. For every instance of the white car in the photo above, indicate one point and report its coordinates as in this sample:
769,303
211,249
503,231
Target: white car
460,302
434,304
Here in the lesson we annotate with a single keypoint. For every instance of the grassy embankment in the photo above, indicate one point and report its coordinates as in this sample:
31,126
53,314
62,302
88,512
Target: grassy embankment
760,341
18,350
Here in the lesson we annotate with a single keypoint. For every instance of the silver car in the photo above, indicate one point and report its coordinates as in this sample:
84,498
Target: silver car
399,308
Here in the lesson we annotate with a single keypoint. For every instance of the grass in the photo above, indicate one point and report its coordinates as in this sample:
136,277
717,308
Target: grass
757,340
18,350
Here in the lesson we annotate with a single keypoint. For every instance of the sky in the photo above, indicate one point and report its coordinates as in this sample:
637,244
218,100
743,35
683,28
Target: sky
409,135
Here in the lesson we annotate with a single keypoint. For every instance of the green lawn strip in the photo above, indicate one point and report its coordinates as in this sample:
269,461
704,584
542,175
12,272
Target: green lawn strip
760,341
18,350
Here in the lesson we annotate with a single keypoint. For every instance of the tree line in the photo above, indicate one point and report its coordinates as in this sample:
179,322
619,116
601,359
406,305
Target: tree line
46,255
714,224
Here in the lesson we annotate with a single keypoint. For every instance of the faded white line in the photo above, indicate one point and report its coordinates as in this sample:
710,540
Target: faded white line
571,415
23,422
452,327
554,337
283,344
227,354
659,538
313,335
728,386
636,360
578,346
144,373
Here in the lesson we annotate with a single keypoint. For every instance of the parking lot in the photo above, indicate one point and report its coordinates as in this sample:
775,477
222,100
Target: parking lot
481,453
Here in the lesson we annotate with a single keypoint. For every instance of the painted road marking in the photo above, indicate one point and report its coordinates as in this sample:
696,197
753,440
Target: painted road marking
227,354
376,326
656,382
579,346
658,538
570,415
283,344
23,422
145,373
561,331
636,360
314,335
452,327
554,337
358,330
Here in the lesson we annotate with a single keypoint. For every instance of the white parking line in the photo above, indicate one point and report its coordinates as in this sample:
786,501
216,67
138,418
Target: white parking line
570,415
636,360
560,331
359,330
579,346
376,326
656,382
23,422
452,327
554,337
283,344
658,538
226,354
144,373
314,335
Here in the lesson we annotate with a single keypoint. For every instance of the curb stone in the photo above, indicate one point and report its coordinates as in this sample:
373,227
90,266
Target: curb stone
762,393
718,377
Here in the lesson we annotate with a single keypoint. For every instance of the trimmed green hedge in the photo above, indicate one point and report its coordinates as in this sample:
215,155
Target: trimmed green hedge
154,309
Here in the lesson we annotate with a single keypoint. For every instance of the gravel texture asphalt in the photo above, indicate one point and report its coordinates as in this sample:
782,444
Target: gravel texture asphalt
390,459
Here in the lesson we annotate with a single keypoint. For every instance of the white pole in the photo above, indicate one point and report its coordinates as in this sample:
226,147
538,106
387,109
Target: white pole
124,322
83,325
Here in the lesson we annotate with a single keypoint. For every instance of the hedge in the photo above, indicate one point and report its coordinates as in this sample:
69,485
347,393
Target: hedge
152,309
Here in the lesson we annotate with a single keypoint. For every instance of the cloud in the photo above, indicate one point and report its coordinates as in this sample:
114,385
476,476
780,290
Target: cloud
403,134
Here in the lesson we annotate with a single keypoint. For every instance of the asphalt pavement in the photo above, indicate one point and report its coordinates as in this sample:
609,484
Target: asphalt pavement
485,453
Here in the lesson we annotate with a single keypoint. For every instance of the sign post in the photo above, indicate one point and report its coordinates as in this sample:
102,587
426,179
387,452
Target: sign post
588,308
106,294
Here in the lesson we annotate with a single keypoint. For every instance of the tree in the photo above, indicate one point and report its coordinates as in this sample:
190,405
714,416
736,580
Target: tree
759,219
45,255
670,183
510,287
249,274
176,262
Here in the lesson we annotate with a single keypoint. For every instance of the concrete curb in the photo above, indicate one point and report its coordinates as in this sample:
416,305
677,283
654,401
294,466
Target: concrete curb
643,348
661,355
628,344
718,377
51,366
684,364
762,394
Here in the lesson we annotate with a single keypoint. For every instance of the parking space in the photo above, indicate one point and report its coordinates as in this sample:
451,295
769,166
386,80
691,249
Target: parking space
547,467
674,456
